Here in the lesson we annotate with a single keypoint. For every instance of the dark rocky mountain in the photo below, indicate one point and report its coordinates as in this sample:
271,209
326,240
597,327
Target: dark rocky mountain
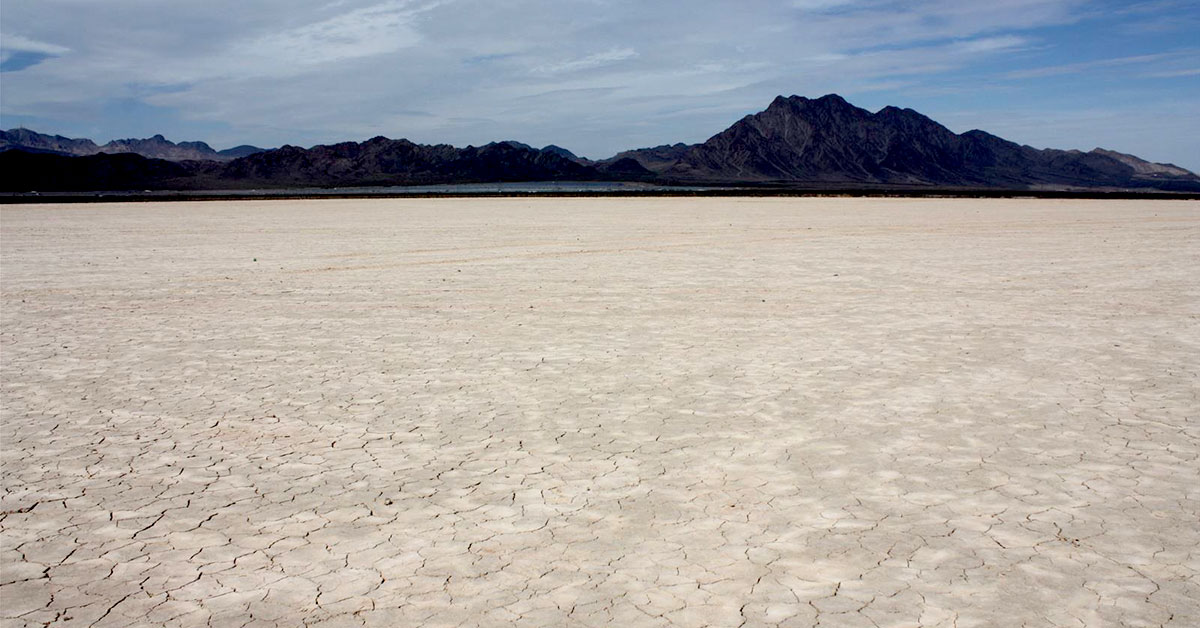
512,144
795,142
562,152
240,151
550,149
625,169
34,142
654,159
828,141
382,161
157,147
376,162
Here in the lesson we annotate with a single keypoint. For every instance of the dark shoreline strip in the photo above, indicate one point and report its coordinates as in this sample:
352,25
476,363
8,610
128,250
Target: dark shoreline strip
117,197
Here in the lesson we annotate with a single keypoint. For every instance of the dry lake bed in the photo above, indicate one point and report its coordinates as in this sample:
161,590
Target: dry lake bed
596,412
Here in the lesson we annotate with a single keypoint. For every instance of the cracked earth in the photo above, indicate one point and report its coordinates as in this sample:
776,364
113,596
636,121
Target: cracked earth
640,412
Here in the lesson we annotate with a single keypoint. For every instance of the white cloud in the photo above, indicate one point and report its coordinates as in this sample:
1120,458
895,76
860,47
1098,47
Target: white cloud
373,30
1175,73
820,5
1075,68
10,44
25,44
586,63
992,44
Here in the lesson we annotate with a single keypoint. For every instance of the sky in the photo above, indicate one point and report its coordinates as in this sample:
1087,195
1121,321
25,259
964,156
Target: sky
597,76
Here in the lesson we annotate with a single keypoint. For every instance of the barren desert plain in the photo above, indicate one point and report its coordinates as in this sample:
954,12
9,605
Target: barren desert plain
597,412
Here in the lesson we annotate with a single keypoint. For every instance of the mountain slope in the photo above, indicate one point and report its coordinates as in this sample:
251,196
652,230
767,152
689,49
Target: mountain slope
828,141
34,142
654,159
243,150
157,147
382,161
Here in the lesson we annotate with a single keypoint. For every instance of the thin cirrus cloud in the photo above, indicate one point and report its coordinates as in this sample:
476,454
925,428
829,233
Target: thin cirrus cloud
597,76
590,61
10,44
820,5
1076,68
993,44
369,31
18,52
1175,73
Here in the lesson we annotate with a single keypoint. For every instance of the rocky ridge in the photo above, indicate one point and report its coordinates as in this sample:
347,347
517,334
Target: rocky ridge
795,142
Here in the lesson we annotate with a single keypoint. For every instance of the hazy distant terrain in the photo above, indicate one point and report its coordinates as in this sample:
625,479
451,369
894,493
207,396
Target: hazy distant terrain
157,147
796,141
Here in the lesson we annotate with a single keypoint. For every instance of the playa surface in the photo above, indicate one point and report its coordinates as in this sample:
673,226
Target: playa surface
641,412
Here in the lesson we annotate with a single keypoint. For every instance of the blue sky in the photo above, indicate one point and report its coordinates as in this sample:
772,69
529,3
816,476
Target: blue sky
597,76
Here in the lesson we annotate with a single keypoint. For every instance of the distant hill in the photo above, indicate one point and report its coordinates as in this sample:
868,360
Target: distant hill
795,142
157,147
562,152
830,141
655,159
245,150
34,142
376,162
382,161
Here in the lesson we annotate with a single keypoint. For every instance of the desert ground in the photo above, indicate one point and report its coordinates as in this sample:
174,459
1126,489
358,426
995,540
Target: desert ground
596,412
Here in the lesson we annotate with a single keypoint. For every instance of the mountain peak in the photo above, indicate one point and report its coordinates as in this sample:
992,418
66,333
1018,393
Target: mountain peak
827,99
828,140
553,149
510,144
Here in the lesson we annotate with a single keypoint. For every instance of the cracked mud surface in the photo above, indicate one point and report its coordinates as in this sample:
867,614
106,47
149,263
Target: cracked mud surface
558,412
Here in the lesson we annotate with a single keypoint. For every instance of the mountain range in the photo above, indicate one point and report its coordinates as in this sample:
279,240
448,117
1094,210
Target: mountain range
157,147
795,142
